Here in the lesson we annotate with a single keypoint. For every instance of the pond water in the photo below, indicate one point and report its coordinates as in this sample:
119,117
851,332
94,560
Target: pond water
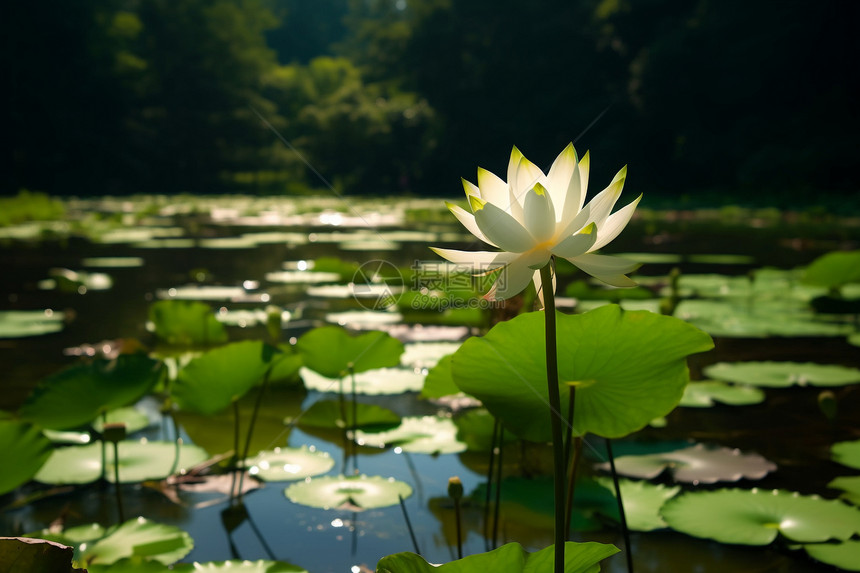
240,245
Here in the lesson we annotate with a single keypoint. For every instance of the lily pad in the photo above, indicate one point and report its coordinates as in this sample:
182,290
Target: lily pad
417,434
847,453
845,555
696,464
23,323
854,339
850,485
213,380
236,566
333,352
371,382
509,558
642,502
288,464
301,277
355,492
134,419
112,262
138,461
363,318
475,429
202,292
327,414
783,374
77,395
139,538
427,354
24,449
706,393
756,517
186,323
629,367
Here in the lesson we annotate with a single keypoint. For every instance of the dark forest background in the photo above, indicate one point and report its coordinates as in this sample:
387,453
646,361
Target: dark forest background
716,100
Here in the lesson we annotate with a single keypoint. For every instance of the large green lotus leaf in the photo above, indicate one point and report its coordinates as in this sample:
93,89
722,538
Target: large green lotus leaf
642,502
22,323
139,538
783,374
696,464
845,555
847,453
77,395
355,492
186,323
850,485
236,566
328,414
24,449
854,339
509,558
629,368
134,419
285,368
755,517
215,379
705,393
417,434
439,381
370,382
138,461
834,270
288,464
333,352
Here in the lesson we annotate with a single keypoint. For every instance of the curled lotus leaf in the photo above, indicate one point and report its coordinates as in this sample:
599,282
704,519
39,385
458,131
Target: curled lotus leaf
288,464
696,464
353,492
756,517
139,538
783,374
24,449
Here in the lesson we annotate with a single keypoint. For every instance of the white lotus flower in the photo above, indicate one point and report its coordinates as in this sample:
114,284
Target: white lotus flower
535,216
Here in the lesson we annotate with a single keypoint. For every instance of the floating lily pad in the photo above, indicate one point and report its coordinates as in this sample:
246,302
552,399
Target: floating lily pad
66,280
138,461
642,502
186,323
475,429
134,419
353,290
301,277
845,555
696,464
704,394
288,464
755,517
629,367
440,380
139,538
113,262
333,352
371,382
328,414
850,485
355,492
509,558
236,566
783,374
213,380
23,323
77,395
427,354
426,333
847,453
202,292
24,449
721,259
854,339
417,434
363,318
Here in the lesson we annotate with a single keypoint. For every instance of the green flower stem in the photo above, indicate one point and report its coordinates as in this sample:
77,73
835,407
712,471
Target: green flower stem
250,433
624,531
116,482
555,415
